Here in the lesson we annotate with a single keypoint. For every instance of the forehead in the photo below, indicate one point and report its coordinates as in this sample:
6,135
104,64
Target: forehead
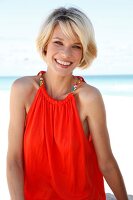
64,33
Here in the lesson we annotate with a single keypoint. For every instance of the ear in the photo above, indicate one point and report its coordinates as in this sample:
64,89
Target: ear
45,50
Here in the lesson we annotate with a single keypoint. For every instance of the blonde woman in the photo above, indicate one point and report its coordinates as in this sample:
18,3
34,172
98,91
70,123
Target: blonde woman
59,146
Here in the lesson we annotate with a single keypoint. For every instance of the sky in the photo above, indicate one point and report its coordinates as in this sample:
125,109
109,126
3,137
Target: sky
20,22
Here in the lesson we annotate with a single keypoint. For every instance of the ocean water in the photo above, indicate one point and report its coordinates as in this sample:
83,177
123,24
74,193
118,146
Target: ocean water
118,85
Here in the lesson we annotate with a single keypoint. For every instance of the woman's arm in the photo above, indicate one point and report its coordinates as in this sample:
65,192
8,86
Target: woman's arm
15,142
97,123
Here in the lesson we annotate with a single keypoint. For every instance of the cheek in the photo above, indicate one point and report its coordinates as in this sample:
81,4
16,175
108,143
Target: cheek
50,52
78,56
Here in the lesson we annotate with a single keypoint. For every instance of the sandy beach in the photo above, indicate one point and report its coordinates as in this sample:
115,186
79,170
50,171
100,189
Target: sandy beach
4,120
119,111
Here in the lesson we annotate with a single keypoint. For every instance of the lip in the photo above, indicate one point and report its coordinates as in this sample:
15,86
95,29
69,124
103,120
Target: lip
62,66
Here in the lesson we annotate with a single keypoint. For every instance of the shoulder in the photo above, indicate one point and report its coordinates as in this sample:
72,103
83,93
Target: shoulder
89,93
91,100
24,86
26,83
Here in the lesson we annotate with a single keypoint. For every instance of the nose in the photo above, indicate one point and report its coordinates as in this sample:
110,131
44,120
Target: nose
66,52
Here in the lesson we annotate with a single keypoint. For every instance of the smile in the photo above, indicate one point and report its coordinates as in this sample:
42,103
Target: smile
63,63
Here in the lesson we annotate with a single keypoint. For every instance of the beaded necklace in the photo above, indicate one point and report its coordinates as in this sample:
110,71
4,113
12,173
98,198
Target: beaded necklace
75,85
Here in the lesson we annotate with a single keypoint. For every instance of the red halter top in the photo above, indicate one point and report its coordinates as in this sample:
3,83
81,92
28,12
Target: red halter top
59,159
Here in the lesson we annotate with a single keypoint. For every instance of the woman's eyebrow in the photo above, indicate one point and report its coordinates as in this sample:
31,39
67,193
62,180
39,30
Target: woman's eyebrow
77,43
74,43
58,38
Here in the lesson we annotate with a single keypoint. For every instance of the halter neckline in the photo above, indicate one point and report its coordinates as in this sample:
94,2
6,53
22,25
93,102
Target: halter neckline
74,87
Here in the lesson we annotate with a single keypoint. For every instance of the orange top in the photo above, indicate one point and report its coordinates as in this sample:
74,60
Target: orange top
59,159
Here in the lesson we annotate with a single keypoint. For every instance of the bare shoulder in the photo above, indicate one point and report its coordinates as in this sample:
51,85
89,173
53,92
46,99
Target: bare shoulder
26,83
24,86
89,94
91,100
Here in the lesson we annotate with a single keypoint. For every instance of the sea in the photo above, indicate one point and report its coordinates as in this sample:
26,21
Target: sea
118,85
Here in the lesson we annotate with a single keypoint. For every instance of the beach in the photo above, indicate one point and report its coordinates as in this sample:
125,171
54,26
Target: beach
119,111
4,120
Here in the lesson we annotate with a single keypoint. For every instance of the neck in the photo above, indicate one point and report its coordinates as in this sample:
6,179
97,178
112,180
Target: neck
57,86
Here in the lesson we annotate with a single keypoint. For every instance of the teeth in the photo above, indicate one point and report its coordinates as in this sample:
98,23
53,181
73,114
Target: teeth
63,63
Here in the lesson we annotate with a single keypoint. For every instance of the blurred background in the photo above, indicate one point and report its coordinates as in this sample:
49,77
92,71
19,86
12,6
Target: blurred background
111,72
20,22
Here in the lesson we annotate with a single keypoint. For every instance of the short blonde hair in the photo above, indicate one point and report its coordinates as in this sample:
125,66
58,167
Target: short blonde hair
71,21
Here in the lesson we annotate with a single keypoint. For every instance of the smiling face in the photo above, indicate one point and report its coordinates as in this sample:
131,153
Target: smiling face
63,54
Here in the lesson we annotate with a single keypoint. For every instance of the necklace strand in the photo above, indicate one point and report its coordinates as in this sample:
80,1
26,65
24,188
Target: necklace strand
74,85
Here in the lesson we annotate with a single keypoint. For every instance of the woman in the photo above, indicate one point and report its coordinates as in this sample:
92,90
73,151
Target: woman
59,146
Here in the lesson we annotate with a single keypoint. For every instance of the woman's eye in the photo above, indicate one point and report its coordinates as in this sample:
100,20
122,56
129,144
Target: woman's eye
58,42
77,47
